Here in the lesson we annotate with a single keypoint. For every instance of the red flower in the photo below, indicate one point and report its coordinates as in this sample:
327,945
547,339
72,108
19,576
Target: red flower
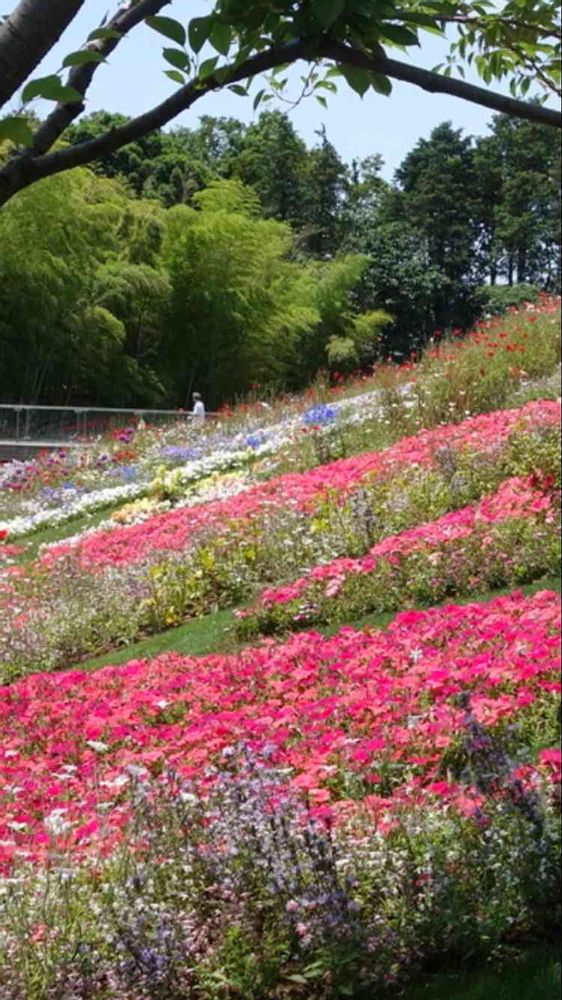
326,708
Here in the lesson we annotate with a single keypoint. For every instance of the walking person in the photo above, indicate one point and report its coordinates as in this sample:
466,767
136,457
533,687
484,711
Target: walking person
198,407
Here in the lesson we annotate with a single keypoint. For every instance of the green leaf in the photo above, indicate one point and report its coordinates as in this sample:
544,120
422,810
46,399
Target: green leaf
258,99
433,30
82,57
221,74
381,84
51,89
35,87
243,53
328,11
426,20
221,37
237,89
177,58
16,130
358,79
103,34
66,95
322,100
175,75
208,67
199,31
398,34
168,27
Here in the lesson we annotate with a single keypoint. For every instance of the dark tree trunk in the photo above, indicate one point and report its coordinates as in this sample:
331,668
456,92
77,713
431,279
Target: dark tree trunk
26,36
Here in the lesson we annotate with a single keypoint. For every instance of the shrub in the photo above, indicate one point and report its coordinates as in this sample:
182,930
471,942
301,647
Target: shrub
500,299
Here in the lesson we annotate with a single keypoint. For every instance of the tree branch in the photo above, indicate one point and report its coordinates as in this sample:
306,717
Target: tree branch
20,171
507,22
435,83
26,35
80,77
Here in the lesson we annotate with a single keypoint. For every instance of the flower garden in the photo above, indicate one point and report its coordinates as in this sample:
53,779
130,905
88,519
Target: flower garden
359,783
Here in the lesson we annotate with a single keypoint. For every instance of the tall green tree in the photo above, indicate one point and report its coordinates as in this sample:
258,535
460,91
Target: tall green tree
400,278
366,192
273,161
527,198
133,162
327,186
436,199
52,239
222,260
243,311
437,184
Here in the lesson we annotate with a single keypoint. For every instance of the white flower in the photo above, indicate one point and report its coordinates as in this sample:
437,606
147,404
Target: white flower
55,823
222,457
98,746
119,782
137,772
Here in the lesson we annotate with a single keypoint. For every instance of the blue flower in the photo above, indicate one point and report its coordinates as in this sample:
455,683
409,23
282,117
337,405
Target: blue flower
179,454
321,415
256,440
128,472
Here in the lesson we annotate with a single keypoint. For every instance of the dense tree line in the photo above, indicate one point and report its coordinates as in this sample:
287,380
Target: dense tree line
229,255
118,301
461,212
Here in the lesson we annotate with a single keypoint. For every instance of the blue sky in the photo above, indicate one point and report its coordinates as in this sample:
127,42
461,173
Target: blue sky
133,81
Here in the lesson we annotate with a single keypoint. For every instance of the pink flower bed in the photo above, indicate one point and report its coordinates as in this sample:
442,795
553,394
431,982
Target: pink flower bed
361,706
173,531
515,498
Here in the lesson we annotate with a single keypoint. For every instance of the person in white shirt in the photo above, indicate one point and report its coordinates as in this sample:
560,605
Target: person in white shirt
198,407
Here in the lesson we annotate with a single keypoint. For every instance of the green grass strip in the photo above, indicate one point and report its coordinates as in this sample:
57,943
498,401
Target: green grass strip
535,976
58,533
210,634
213,633
381,621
